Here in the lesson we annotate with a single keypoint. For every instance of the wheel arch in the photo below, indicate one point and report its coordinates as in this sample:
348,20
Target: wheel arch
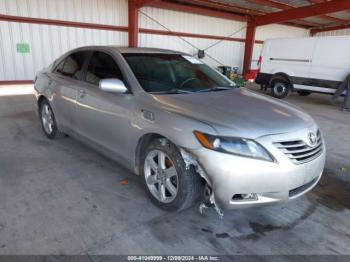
281,75
143,141
40,99
49,98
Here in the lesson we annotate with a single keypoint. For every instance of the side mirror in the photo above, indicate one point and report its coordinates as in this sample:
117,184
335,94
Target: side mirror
113,85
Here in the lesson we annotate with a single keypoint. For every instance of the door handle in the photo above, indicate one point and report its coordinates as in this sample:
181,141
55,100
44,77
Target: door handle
82,93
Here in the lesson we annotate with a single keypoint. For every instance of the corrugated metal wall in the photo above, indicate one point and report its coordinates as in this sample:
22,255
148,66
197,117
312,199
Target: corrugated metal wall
112,12
227,52
47,42
335,33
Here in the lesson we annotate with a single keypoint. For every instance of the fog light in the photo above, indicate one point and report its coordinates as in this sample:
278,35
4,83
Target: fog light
241,197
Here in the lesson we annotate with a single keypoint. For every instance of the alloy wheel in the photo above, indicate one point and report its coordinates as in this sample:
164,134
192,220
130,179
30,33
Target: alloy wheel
161,176
47,119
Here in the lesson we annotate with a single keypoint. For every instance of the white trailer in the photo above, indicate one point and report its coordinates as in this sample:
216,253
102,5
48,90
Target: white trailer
305,65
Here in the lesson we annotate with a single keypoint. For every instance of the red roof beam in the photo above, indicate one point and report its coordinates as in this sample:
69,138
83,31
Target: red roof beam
224,6
331,18
198,10
250,12
330,28
273,4
283,6
303,12
141,3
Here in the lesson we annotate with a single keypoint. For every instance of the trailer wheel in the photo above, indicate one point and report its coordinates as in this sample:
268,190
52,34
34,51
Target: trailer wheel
304,93
280,87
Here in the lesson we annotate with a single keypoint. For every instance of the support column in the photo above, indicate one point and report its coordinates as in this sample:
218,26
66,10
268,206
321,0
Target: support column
249,45
133,23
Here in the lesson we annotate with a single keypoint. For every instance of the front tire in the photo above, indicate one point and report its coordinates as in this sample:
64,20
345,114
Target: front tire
168,183
48,121
280,88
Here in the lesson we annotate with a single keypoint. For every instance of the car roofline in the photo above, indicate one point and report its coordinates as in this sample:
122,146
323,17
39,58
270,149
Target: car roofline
129,50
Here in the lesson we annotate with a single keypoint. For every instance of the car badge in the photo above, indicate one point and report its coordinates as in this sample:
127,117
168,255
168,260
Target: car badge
312,138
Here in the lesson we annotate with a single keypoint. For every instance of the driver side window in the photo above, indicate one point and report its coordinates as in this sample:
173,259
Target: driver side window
102,66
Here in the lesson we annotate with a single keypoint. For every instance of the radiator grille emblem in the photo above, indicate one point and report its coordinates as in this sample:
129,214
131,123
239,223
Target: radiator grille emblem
312,138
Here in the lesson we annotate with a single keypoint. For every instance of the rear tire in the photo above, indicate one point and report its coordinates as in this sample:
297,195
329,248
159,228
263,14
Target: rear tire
169,184
304,93
48,121
280,87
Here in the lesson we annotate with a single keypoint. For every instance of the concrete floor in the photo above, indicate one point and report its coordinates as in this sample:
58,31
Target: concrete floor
60,197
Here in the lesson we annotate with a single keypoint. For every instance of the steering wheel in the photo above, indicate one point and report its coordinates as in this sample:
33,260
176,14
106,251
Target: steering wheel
186,81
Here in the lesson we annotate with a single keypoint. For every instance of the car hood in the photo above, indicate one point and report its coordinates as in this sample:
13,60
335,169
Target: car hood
238,112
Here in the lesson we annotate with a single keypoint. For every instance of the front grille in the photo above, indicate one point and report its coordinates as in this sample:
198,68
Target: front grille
302,188
299,152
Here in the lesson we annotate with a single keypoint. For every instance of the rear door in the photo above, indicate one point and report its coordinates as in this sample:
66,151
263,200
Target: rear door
66,79
103,118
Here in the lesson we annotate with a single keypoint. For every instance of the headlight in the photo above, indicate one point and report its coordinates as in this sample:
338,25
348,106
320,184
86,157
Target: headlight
234,145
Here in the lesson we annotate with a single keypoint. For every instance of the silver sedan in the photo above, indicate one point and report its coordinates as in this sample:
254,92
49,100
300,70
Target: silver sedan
185,128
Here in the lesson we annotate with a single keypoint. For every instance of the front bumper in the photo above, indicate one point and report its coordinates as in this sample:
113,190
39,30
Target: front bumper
272,182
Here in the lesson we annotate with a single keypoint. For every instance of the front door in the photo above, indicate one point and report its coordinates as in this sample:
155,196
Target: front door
104,118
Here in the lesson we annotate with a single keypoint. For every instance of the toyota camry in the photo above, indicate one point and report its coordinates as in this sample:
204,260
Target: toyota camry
187,130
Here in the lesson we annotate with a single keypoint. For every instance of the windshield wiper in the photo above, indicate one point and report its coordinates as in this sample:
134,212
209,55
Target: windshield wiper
216,89
173,91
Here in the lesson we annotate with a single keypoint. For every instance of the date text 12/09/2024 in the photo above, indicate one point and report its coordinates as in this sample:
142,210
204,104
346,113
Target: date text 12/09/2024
173,258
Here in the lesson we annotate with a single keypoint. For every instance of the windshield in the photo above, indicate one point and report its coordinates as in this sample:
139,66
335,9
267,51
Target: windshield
175,73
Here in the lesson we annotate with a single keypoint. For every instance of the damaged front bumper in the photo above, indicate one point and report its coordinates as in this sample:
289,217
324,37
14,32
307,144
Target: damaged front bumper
259,182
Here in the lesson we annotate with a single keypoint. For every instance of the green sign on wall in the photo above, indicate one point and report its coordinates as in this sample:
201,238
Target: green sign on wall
22,48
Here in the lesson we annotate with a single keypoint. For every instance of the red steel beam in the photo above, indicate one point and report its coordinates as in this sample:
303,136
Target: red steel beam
223,6
273,4
303,12
283,6
133,23
42,21
183,34
133,19
29,20
214,13
198,10
331,18
244,11
249,45
330,28
16,82
141,3
251,12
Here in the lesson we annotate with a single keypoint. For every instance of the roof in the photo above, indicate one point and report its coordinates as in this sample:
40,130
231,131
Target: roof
145,50
124,49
